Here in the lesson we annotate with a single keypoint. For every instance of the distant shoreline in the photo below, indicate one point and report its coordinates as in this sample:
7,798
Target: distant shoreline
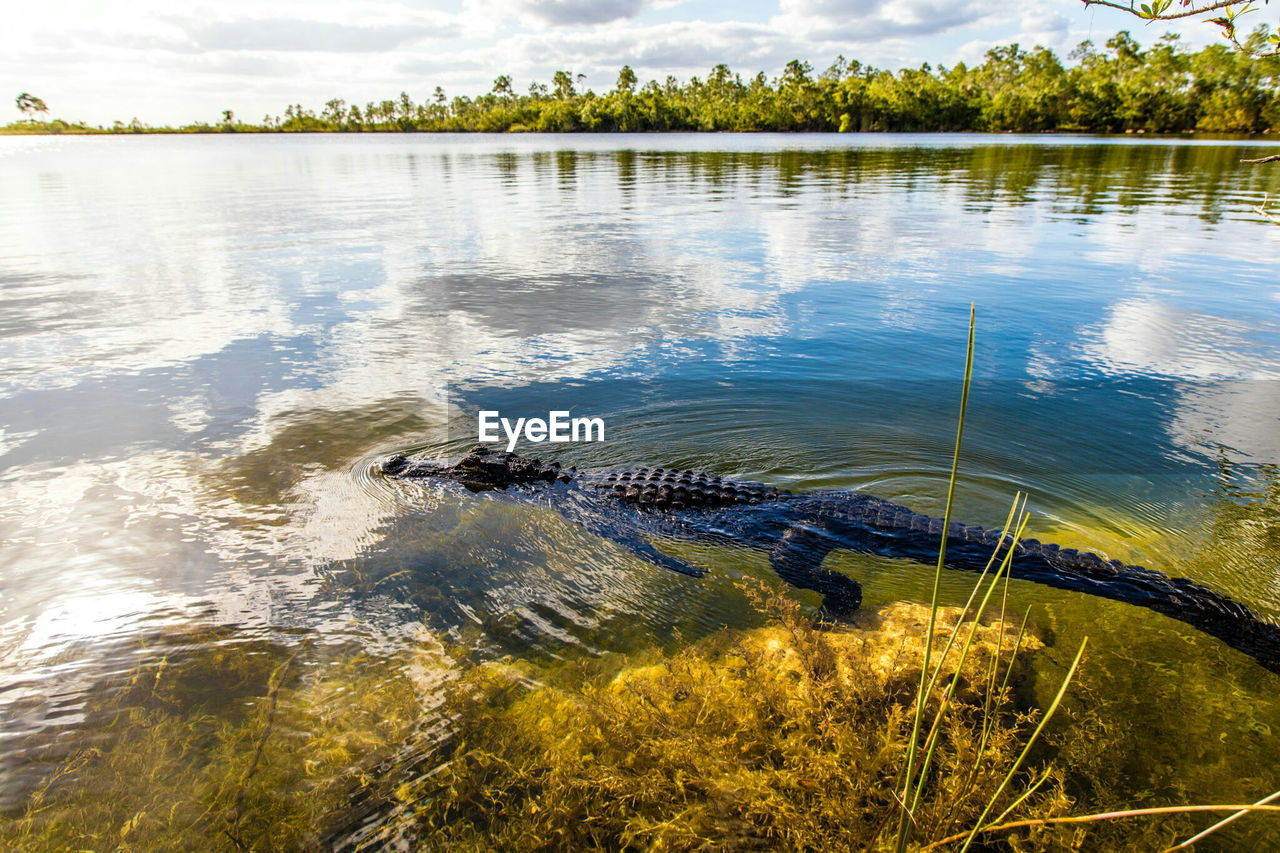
1260,136
1121,89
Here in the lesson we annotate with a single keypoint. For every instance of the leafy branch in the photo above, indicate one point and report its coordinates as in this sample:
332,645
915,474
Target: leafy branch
1225,13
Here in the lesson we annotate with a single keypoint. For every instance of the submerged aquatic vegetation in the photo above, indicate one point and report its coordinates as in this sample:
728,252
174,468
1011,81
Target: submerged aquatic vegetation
790,736
789,733
232,745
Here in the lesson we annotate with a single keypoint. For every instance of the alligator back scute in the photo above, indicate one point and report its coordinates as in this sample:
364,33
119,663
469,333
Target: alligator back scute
669,487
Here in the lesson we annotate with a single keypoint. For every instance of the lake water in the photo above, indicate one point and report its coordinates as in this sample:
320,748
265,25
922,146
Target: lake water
208,341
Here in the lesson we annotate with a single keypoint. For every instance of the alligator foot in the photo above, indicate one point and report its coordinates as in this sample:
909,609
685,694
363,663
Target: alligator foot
797,558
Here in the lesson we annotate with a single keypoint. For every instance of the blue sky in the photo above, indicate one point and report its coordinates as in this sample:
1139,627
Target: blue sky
167,63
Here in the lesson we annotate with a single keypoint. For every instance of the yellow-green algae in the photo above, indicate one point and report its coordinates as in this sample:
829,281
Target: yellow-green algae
789,736
232,745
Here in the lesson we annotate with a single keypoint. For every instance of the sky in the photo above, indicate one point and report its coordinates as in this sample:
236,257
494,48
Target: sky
170,63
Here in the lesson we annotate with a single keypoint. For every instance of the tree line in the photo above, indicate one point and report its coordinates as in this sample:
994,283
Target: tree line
1164,88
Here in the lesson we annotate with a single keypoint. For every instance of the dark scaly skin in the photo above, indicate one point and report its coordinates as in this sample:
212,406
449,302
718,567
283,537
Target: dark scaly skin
631,506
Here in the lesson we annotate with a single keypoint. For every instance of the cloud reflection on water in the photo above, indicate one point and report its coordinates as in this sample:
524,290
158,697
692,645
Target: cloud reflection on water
206,340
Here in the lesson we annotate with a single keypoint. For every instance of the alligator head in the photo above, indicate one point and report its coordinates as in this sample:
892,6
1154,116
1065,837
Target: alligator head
482,469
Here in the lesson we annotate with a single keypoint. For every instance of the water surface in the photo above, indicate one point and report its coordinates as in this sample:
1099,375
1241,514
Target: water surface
207,342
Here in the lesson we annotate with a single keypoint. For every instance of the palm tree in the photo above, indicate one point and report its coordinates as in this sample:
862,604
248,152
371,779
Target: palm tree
28,104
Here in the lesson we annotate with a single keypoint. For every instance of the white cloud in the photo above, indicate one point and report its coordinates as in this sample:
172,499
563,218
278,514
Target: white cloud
302,35
679,48
1039,28
868,20
559,12
1045,28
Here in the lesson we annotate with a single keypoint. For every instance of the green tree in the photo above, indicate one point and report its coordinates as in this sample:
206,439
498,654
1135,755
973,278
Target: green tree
563,83
1022,91
28,104
335,111
797,98
627,80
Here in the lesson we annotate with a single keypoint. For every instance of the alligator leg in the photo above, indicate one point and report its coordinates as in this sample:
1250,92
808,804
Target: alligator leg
797,558
641,547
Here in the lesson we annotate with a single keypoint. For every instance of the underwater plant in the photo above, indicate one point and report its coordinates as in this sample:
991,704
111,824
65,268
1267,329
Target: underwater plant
215,743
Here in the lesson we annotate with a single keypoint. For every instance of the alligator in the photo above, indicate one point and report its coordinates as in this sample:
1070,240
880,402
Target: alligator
633,506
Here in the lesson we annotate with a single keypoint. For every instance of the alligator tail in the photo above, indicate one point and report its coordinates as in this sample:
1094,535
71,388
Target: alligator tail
901,532
1179,598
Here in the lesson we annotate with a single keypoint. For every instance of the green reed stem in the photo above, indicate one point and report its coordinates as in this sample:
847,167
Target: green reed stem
935,731
1053,706
955,631
904,823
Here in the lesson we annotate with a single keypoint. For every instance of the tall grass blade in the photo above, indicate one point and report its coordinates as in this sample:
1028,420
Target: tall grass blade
904,822
945,706
1014,511
978,825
